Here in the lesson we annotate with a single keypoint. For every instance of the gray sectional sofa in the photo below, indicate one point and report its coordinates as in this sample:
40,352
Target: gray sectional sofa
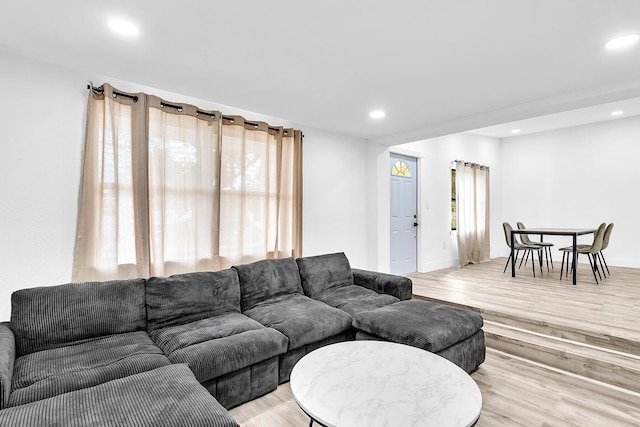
183,349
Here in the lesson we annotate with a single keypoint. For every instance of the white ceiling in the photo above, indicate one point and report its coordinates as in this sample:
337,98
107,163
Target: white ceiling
435,67
597,113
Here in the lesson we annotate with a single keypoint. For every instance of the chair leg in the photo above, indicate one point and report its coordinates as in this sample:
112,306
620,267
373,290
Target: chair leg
562,266
505,266
599,257
540,257
533,263
605,263
593,269
595,265
573,267
546,255
524,258
550,257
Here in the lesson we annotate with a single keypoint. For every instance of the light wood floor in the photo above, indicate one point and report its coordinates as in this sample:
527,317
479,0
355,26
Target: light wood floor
606,314
514,393
517,391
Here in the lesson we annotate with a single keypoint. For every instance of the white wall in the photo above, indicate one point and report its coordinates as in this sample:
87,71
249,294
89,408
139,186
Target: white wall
335,197
42,120
577,177
437,246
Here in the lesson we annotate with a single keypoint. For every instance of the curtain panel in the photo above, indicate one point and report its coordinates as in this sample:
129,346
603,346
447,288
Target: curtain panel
472,198
169,188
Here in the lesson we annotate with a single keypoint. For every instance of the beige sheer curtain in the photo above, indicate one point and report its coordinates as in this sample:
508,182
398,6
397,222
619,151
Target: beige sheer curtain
184,191
472,199
110,238
260,191
169,188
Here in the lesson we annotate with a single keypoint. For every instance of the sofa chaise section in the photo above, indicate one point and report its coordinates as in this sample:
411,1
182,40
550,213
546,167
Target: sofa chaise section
453,333
195,319
78,335
271,293
169,396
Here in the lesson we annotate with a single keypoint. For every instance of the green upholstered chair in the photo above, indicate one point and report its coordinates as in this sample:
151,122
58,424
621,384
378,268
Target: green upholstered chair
592,251
517,247
546,246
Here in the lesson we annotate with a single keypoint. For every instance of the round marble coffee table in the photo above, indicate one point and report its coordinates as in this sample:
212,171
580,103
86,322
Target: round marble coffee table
377,383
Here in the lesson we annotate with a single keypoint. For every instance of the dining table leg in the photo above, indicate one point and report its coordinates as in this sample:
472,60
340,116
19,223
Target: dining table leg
575,257
513,260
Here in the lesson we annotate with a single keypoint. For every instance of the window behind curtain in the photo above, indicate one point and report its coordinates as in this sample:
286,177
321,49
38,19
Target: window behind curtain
259,201
168,188
184,167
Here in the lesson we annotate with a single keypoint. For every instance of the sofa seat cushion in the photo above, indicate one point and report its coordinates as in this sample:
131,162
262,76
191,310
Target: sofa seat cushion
168,396
301,319
354,299
267,279
174,338
84,364
423,324
213,358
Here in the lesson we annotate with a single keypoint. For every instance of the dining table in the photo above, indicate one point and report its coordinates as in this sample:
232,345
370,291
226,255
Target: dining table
572,232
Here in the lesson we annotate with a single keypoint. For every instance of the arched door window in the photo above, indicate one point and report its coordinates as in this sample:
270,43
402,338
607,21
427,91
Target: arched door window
401,168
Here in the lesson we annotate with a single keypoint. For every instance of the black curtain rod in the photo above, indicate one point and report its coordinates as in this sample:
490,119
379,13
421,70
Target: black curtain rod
255,125
165,104
179,108
471,164
101,90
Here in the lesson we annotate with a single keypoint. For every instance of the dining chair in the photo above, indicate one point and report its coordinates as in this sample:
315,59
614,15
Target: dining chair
517,247
592,251
605,244
545,245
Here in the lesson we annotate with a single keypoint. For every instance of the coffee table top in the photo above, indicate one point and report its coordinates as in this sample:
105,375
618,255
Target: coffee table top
377,383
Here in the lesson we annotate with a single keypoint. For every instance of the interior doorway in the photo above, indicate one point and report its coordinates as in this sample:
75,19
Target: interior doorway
404,213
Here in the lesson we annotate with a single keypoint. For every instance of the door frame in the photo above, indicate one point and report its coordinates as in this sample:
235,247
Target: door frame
419,161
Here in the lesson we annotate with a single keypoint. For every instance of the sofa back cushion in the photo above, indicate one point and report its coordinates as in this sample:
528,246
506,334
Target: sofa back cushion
186,298
319,273
267,279
53,316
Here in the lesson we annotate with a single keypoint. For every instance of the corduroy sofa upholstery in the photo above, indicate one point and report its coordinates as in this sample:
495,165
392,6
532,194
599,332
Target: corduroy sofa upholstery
79,335
272,295
239,331
169,396
195,319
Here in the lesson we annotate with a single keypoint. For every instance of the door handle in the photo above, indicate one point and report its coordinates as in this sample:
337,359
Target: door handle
415,221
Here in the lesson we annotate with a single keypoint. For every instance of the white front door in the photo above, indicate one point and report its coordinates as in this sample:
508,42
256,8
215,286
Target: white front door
404,221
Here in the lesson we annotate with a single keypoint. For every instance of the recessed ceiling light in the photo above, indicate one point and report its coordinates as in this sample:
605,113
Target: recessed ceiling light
515,131
123,27
622,41
377,114
617,113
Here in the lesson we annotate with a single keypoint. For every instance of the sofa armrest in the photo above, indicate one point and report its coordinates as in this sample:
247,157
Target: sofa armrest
7,360
398,286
